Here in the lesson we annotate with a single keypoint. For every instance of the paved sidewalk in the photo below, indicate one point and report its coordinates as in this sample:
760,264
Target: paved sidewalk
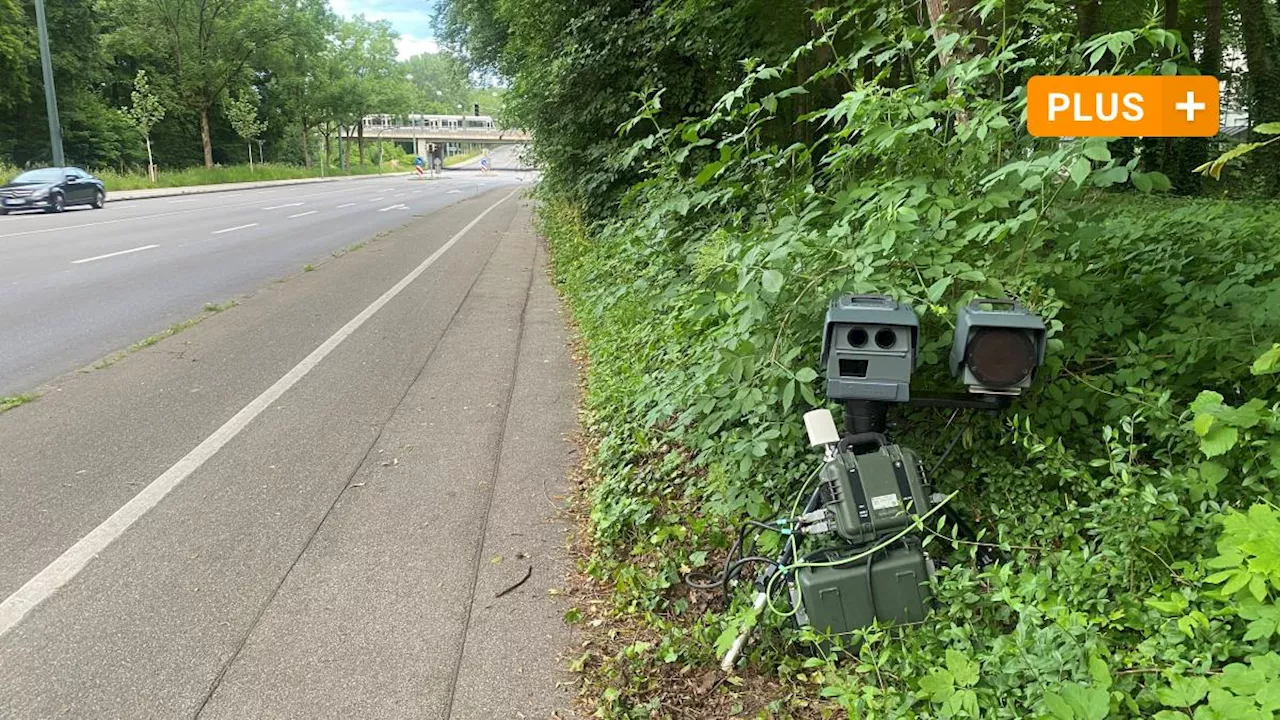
356,551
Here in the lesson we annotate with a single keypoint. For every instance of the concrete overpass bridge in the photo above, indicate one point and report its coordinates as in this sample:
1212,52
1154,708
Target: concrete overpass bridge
420,140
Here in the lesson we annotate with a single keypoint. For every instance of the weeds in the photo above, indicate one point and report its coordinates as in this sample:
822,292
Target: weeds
10,402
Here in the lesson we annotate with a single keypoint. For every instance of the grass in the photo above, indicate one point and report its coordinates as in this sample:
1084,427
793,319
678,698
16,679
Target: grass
348,249
214,176
308,267
210,309
10,402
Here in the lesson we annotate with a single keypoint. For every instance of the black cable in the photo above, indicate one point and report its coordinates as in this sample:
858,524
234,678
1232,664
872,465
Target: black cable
733,561
951,445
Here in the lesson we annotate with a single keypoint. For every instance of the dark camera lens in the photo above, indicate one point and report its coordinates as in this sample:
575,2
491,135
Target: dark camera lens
857,337
1000,357
886,338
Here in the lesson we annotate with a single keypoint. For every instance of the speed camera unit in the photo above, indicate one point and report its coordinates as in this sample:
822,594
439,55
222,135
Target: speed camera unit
869,348
997,347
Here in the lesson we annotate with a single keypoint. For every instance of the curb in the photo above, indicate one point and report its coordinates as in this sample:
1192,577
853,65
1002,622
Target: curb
121,195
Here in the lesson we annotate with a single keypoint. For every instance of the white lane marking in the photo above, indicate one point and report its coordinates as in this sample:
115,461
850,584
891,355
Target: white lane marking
380,197
70,563
345,205
231,229
63,228
401,206
110,255
277,207
398,195
453,192
175,202
304,214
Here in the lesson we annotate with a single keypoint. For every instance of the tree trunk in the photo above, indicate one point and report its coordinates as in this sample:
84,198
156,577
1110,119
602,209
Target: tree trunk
205,141
324,164
1262,56
360,142
1088,19
250,157
1211,54
151,164
306,146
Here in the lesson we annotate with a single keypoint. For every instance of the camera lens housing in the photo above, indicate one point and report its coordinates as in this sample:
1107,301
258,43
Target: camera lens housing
997,346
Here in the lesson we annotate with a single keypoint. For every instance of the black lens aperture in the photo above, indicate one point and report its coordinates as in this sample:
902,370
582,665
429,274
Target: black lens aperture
1000,357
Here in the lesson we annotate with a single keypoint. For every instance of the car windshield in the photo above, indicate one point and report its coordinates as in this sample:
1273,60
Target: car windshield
46,175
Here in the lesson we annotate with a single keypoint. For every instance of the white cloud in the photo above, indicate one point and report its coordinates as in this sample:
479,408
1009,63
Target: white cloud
408,46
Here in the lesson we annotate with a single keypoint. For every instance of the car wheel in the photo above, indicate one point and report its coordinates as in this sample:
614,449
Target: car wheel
99,199
59,204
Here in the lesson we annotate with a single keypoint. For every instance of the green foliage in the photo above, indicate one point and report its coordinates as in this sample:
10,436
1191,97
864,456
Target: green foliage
861,164
147,108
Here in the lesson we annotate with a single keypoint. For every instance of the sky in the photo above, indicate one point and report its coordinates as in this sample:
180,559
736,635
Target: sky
411,18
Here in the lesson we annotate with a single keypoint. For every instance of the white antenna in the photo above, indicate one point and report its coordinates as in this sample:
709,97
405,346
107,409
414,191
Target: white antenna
821,427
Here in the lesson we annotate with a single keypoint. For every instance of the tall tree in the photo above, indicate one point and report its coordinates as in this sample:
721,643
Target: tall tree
206,45
1262,56
17,51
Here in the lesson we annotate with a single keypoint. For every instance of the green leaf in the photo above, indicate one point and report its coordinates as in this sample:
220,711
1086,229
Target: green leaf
1159,181
1268,362
708,171
1111,176
1080,170
1141,182
1183,691
1100,673
771,280
935,291
1271,128
1219,440
806,374
963,670
938,685
1097,151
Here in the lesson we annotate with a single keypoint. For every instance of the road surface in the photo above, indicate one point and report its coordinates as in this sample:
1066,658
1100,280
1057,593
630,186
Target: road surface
78,286
309,505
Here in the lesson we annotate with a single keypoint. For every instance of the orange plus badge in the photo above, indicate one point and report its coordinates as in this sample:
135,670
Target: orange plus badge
1122,106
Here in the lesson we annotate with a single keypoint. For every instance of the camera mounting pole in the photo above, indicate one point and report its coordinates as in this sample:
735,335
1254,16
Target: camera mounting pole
864,416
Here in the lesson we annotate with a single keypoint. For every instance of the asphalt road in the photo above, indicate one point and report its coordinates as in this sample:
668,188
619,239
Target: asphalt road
337,499
78,286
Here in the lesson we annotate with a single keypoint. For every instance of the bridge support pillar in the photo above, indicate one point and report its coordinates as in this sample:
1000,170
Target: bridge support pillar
420,147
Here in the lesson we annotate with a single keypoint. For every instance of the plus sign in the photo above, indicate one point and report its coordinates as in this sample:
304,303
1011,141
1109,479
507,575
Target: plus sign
1190,106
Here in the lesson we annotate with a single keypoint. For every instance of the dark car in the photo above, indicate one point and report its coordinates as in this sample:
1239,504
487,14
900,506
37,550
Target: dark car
52,190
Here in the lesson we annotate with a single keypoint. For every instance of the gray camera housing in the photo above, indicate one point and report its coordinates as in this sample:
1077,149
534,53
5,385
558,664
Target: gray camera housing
859,361
983,314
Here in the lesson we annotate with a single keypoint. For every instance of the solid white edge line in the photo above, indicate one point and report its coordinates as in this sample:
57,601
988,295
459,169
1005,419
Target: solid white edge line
109,255
238,227
70,563
303,214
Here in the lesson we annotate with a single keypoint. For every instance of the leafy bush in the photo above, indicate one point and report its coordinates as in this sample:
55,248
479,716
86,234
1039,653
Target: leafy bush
700,303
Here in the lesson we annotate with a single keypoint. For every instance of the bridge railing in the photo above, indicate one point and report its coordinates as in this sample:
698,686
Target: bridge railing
447,132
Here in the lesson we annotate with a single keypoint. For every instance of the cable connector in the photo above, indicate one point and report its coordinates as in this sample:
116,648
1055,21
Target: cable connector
811,517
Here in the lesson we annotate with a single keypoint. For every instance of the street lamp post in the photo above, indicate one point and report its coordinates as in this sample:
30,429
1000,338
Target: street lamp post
50,99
